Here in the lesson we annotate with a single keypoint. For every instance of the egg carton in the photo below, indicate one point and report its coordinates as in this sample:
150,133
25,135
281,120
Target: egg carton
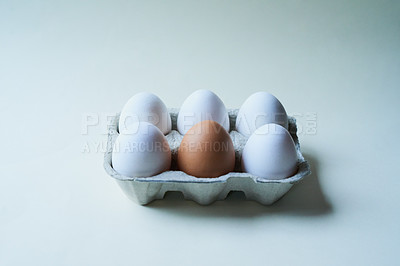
204,191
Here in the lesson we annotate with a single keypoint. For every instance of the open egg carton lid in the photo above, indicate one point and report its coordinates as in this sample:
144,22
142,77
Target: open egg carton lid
204,191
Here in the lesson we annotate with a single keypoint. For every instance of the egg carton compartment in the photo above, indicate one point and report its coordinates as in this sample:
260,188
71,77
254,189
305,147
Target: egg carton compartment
204,191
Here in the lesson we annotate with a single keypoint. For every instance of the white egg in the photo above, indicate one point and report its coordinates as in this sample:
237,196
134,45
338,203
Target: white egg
270,153
145,107
143,153
259,109
202,105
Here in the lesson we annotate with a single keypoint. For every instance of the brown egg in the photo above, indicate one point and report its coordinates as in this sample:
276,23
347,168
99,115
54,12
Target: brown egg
206,150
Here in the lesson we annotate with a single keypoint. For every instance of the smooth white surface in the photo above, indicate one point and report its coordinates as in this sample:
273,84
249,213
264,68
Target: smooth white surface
143,153
270,153
199,106
145,107
333,64
259,109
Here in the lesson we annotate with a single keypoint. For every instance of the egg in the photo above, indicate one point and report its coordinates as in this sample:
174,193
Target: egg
144,107
143,153
202,105
270,153
206,150
259,109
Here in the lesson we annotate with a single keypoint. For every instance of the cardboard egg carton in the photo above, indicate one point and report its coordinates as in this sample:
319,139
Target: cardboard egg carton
204,191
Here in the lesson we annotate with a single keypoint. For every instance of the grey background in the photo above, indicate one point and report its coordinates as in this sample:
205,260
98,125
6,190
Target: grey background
62,61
